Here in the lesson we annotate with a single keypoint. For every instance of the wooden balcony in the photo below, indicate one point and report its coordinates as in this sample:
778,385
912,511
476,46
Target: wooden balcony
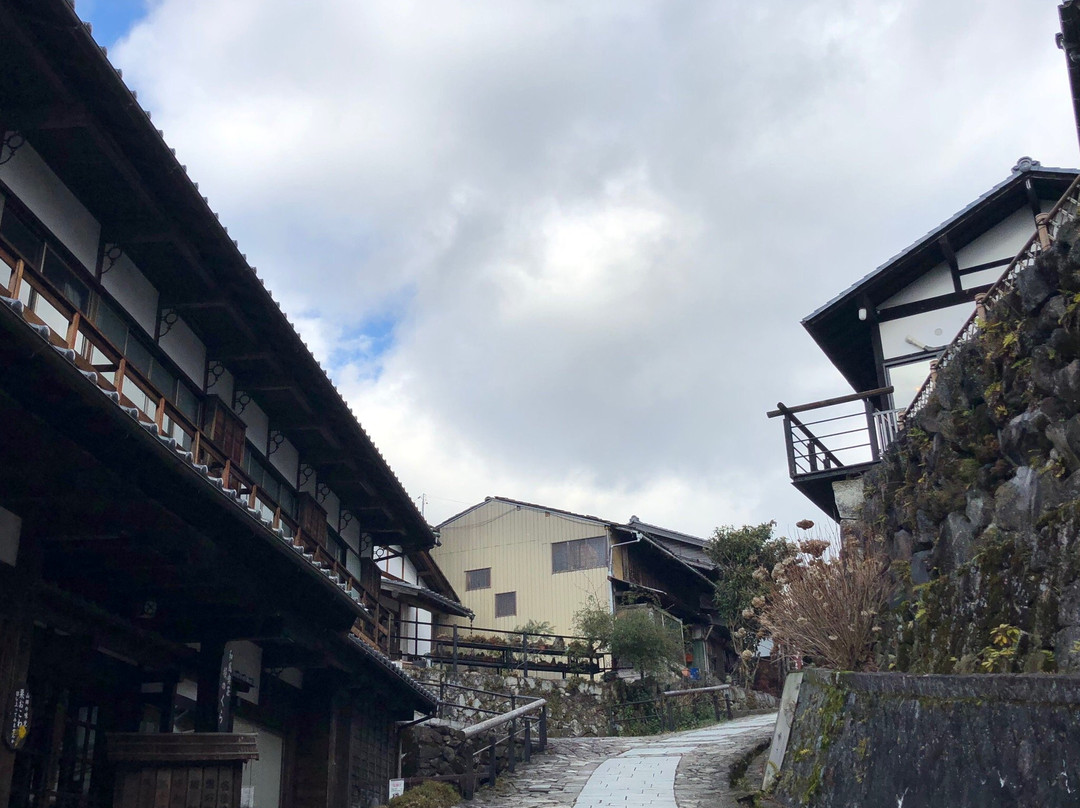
836,439
45,309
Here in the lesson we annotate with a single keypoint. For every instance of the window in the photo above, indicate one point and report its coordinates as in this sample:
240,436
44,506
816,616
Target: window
506,604
116,330
268,481
580,554
478,579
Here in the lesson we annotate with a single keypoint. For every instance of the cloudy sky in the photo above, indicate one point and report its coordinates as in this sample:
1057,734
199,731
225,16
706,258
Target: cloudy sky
559,251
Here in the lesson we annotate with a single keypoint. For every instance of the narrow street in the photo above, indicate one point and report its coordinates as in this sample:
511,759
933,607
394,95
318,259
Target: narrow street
676,770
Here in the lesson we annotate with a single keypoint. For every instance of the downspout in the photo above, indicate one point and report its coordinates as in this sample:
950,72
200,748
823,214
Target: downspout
611,566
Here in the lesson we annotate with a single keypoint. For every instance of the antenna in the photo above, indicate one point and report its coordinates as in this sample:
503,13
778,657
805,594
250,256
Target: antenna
423,502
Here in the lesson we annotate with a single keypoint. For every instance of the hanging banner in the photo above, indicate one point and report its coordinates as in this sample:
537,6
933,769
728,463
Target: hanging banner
17,720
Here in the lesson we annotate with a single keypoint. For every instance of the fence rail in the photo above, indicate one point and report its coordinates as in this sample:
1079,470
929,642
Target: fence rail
529,652
845,431
663,714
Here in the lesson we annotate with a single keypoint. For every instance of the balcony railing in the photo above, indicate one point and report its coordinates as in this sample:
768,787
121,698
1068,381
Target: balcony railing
44,308
839,433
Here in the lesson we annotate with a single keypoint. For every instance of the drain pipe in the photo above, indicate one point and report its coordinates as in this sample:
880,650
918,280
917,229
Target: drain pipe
638,536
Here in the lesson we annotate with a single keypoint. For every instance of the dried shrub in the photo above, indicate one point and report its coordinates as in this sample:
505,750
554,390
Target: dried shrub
828,609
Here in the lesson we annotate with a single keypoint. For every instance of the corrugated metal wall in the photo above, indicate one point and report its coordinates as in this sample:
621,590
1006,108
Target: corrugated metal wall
515,542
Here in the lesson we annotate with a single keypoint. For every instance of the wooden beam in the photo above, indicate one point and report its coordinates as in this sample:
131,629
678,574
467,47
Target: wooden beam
950,259
55,116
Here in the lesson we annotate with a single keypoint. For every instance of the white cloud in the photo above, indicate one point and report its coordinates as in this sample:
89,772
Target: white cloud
592,227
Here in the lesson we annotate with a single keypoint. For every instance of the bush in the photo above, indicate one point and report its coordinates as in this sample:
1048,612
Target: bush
828,610
429,794
641,639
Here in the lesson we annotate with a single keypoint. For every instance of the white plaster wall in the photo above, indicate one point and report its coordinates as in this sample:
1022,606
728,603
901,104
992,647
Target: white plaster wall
30,179
133,292
982,278
1004,240
247,660
186,350
311,484
225,386
333,509
936,282
351,535
933,328
408,571
286,459
258,424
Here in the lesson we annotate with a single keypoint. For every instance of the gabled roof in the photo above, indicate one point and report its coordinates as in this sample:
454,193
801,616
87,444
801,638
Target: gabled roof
520,504
424,597
836,327
59,89
688,549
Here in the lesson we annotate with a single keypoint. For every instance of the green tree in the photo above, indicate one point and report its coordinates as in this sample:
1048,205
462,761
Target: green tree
745,558
641,638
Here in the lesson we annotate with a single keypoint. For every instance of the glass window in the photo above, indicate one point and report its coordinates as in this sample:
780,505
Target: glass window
139,356
506,604
66,281
110,324
580,554
163,380
907,380
187,402
478,579
22,239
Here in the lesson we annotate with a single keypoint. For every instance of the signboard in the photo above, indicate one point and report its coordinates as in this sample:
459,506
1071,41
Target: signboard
397,788
224,706
17,720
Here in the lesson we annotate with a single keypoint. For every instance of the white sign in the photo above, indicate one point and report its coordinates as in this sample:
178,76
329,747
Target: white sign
397,788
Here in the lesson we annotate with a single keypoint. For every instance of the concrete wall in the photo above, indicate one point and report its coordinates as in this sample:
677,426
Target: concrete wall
877,739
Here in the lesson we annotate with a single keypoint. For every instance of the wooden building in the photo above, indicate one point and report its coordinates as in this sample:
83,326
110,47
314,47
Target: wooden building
883,332
515,562
189,511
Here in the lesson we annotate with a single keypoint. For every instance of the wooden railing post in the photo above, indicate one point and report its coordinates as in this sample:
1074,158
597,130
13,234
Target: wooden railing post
526,749
72,331
511,755
455,655
468,778
1042,221
715,705
543,728
16,280
727,705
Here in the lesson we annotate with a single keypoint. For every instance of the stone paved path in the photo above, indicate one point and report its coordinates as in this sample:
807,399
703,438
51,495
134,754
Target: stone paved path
677,770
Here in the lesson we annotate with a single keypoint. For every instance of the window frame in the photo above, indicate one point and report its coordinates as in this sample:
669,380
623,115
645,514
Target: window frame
513,596
574,547
469,588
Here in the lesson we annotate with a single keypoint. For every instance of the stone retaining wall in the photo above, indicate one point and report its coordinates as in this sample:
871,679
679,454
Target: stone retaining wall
930,741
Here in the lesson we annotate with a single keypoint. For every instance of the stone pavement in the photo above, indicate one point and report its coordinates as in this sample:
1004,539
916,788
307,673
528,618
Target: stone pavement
676,770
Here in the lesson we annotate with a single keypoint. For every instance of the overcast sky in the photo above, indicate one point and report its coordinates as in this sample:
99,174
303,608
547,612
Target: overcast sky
559,252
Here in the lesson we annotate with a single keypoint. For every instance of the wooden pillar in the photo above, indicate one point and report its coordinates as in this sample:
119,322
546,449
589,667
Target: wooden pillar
213,707
16,636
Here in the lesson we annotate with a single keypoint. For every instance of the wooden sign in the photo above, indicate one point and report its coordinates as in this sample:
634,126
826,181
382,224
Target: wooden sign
17,720
224,705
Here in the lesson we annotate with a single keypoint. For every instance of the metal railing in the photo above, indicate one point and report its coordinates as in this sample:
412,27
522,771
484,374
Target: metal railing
846,431
664,716
526,652
497,742
1064,211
